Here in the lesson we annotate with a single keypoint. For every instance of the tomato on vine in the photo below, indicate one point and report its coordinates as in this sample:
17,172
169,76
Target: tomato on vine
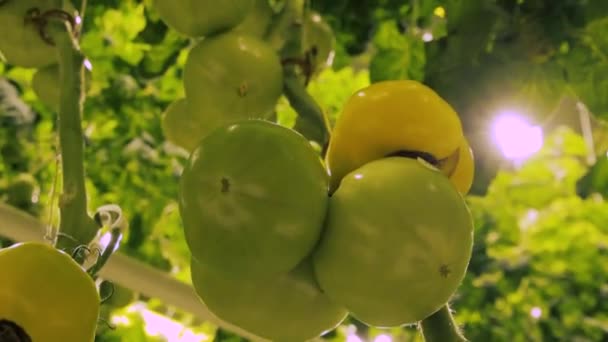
397,242
257,22
318,41
178,126
21,40
197,18
230,77
45,295
253,198
390,117
282,308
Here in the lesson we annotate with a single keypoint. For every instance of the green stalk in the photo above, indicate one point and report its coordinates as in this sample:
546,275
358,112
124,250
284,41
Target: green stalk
76,226
441,327
311,120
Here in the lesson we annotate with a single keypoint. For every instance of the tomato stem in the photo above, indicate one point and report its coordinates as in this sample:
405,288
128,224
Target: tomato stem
76,226
311,121
441,327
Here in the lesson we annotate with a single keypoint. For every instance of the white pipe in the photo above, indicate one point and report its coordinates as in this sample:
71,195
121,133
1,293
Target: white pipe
123,270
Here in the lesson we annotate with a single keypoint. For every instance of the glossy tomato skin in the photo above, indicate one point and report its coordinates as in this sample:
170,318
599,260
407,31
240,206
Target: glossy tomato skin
388,117
231,77
257,22
20,41
282,308
396,244
47,294
319,35
197,18
253,197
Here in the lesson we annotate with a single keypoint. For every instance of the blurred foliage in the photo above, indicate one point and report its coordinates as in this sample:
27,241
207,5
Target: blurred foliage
540,249
540,265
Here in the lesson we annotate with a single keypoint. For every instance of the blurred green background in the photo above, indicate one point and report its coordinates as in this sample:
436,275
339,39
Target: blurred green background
539,271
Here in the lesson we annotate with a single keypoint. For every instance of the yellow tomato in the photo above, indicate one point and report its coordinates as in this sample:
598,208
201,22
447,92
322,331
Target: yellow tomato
388,117
45,295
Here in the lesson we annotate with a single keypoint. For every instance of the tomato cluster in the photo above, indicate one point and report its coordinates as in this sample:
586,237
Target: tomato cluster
283,244
25,42
235,71
284,250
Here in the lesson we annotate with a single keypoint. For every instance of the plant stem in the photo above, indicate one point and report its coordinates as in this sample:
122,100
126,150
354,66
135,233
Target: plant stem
311,121
441,327
124,271
76,227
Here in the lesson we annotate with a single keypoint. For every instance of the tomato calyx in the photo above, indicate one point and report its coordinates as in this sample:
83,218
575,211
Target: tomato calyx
306,63
41,19
447,165
11,331
427,157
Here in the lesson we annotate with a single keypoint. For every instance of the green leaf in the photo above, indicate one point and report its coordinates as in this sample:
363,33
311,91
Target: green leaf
399,56
595,180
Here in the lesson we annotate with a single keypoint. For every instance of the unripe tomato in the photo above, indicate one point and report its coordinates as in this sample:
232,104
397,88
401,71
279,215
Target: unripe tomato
179,126
388,117
46,294
231,77
258,20
318,36
20,41
253,198
286,307
197,18
46,81
45,84
396,244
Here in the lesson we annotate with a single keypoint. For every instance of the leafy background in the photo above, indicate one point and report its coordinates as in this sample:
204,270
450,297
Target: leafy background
540,266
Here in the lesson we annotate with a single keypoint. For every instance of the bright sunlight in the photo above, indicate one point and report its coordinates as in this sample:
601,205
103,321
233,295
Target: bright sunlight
516,138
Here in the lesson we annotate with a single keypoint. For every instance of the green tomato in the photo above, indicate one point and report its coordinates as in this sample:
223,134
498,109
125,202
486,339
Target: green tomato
397,242
45,295
179,127
231,77
45,85
20,40
288,307
197,18
253,198
256,23
319,39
